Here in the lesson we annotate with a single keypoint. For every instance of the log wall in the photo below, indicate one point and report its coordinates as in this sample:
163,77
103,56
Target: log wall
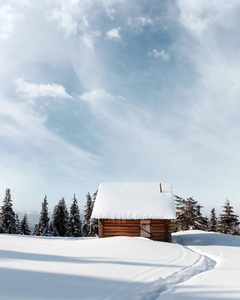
160,229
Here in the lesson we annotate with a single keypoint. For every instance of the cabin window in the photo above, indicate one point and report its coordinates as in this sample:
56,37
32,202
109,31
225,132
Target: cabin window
145,228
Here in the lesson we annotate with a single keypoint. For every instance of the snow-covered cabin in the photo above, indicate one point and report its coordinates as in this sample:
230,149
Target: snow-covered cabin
135,209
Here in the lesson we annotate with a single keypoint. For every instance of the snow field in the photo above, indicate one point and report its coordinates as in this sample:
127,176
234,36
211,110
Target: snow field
68,268
220,282
204,266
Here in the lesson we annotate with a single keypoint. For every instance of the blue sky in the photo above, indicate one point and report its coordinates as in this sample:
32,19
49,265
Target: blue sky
113,90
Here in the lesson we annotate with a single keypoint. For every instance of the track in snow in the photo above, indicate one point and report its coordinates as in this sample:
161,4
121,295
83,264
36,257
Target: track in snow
203,264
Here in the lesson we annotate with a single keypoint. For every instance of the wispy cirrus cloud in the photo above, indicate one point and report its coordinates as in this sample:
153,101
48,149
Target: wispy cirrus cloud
212,102
131,118
126,131
31,153
33,90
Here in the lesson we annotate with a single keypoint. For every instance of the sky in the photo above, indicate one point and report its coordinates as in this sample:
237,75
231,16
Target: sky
119,91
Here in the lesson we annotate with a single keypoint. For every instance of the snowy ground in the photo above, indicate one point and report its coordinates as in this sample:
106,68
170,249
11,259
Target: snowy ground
201,266
221,282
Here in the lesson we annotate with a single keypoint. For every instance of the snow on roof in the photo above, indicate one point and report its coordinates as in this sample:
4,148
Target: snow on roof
134,201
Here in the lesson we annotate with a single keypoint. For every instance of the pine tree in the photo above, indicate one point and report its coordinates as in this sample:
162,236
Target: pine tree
74,222
8,221
17,225
52,229
179,204
87,216
93,222
1,230
213,221
43,225
186,216
59,221
36,230
191,213
24,228
228,221
201,222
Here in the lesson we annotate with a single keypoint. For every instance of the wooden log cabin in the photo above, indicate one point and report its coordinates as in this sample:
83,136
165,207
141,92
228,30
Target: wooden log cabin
135,209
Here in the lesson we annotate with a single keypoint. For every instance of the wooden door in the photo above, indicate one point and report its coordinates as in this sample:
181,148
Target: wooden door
145,228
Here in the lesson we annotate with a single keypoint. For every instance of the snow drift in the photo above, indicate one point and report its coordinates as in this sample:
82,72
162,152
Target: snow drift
205,266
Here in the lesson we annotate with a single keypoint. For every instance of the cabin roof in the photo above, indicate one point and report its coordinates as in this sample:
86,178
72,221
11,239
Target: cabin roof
134,201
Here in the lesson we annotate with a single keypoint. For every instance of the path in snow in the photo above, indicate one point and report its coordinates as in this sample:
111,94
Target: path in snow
203,264
221,282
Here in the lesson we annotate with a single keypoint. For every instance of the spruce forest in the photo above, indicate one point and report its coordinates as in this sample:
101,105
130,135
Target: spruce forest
189,216
62,222
66,223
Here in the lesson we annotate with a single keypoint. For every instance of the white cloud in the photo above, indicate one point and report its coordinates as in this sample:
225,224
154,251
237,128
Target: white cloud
71,16
159,54
7,17
108,5
110,12
89,39
33,90
199,16
96,98
114,34
140,22
74,18
143,21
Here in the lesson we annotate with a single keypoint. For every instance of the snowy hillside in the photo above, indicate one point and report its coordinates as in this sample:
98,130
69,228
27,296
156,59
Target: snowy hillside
205,266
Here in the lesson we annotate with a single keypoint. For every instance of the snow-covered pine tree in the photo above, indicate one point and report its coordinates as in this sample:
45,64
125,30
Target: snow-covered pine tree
188,215
17,225
201,222
228,221
1,231
43,224
8,221
59,222
179,204
93,222
87,216
52,229
213,221
24,227
191,221
74,222
36,230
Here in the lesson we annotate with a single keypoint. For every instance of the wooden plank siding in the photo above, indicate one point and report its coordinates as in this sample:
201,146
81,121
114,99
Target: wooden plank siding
160,229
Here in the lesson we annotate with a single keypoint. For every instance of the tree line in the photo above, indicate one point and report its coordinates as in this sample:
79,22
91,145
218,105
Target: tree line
189,216
62,222
68,223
